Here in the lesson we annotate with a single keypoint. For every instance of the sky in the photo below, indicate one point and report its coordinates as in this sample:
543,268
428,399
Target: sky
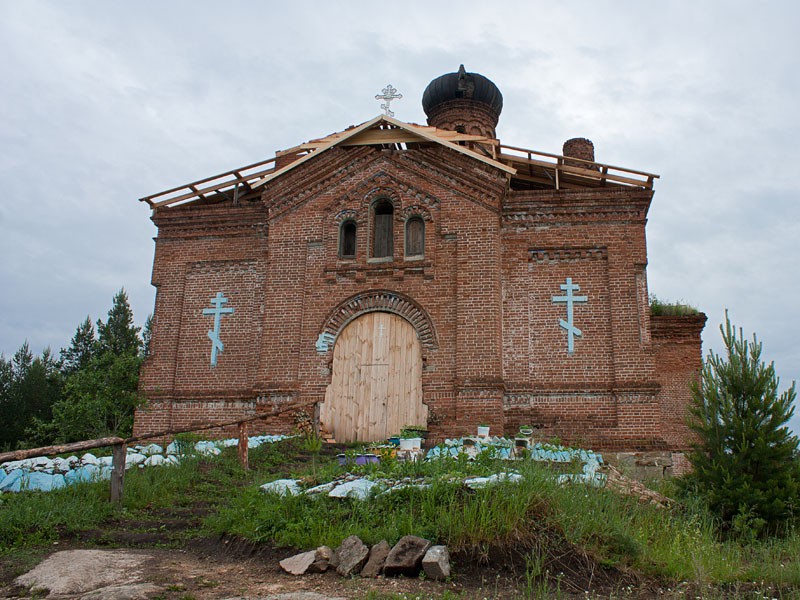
102,103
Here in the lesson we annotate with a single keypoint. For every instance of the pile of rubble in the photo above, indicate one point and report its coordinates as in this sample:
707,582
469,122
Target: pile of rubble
359,487
508,449
409,556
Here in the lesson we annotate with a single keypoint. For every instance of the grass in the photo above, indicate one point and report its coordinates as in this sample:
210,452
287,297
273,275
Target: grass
671,309
31,519
533,516
534,521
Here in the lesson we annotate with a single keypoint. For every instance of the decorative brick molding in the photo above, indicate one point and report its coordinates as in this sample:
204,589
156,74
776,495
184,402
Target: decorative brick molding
218,219
523,209
415,210
562,254
382,185
348,214
376,301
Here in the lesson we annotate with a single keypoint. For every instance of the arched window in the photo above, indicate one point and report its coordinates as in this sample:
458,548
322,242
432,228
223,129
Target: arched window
347,240
415,237
382,240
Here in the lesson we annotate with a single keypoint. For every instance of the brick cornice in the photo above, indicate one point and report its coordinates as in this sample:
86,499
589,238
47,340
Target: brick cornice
223,219
677,328
562,207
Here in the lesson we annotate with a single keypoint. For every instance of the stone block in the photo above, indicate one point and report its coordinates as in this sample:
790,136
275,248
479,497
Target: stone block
406,556
298,564
352,555
322,559
376,560
436,563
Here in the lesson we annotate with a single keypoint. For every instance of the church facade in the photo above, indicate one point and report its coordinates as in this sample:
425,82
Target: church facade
395,274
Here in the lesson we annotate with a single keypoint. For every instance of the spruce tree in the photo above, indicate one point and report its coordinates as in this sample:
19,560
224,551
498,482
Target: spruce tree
29,387
7,408
81,349
745,462
118,334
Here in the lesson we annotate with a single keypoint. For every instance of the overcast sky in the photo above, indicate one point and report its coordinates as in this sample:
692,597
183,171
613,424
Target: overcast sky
102,103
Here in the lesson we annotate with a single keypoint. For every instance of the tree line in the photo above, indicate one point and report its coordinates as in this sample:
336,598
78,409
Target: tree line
88,391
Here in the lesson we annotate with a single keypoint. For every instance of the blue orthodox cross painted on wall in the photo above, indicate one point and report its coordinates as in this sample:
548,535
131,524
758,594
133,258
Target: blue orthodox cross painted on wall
219,302
570,301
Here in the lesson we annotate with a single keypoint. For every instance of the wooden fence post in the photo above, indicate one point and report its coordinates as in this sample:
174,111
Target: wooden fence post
243,446
120,453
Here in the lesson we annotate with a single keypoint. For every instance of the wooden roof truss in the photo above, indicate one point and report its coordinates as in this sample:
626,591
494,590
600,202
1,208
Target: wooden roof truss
527,166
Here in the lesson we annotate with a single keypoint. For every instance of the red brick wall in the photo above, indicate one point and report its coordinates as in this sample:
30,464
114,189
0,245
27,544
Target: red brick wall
467,116
604,394
678,354
202,249
480,299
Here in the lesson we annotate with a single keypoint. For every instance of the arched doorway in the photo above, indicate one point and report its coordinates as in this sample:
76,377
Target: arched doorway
376,385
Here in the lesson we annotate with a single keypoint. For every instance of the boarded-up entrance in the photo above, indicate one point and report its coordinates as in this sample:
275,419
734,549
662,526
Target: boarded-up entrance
376,385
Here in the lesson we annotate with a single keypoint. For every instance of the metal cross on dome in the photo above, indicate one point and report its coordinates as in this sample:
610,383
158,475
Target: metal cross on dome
388,94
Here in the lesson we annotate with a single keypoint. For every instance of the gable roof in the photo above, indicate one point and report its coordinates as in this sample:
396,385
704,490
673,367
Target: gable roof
517,163
382,130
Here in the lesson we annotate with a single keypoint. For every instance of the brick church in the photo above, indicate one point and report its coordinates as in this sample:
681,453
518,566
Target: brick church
396,274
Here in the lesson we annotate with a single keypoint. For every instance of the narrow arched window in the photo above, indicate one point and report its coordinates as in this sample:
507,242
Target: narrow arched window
383,218
347,240
415,237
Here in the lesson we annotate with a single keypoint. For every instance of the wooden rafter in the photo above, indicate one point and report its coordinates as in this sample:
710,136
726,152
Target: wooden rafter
532,166
593,173
217,183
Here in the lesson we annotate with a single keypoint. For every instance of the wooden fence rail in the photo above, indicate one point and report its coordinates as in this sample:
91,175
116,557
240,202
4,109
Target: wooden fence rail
120,445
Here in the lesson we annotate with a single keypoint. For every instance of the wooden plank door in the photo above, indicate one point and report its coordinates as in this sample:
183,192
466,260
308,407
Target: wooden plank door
376,385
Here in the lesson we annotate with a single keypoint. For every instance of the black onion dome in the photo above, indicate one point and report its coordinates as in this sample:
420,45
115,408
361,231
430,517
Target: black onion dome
462,85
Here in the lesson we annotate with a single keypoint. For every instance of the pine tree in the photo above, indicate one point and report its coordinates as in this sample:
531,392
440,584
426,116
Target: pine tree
745,464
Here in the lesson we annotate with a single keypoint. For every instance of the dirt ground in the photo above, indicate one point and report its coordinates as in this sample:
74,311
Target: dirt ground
212,569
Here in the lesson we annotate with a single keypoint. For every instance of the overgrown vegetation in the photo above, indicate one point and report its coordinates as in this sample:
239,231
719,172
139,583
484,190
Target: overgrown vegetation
89,391
534,518
660,308
535,527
